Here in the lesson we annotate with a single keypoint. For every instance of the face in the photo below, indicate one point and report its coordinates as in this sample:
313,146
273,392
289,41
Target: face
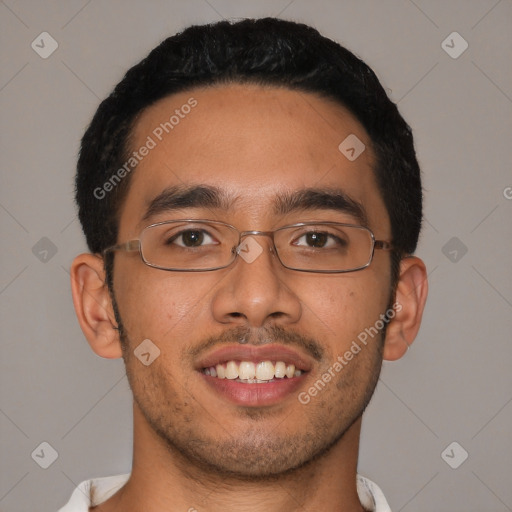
256,150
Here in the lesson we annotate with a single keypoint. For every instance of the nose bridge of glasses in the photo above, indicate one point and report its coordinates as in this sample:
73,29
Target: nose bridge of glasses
245,234
256,233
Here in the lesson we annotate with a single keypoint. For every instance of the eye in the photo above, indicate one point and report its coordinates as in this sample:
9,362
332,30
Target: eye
192,238
319,240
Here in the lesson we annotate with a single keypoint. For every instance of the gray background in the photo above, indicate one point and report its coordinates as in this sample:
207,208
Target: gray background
455,383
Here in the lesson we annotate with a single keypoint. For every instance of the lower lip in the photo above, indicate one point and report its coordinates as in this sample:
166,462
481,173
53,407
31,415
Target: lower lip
254,395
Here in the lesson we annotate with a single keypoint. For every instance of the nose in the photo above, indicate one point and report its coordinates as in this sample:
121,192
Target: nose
257,289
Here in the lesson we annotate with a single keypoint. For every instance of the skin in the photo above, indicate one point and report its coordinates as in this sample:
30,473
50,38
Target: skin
192,447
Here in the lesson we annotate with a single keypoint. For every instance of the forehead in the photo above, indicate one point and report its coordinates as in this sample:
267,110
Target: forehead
253,143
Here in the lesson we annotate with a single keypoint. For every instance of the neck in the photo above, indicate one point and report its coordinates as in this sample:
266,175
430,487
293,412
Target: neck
162,479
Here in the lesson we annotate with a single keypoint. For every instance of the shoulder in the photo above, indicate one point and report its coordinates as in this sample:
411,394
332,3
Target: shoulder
94,492
370,495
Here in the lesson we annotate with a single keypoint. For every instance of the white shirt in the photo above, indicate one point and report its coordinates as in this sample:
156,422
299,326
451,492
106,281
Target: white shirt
94,492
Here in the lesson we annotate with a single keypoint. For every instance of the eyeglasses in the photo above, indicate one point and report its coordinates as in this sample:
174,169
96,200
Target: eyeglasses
204,245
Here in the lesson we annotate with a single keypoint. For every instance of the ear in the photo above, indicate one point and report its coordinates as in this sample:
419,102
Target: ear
93,305
410,298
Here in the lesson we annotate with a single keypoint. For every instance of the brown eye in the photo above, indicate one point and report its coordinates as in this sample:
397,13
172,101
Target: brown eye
319,240
314,239
191,238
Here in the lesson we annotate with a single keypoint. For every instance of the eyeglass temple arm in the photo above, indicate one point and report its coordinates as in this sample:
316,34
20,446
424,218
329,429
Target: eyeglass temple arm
382,244
130,246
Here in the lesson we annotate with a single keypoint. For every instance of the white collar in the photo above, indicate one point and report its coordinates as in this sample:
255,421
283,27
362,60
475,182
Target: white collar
94,492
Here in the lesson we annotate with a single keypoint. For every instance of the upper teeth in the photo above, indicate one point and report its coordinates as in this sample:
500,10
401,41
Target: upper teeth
247,370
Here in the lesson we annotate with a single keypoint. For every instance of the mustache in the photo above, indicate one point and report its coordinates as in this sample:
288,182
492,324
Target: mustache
262,336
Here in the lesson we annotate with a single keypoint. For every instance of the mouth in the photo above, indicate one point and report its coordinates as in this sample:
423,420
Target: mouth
254,376
249,372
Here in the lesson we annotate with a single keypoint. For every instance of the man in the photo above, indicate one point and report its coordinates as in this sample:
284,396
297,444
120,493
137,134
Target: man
251,200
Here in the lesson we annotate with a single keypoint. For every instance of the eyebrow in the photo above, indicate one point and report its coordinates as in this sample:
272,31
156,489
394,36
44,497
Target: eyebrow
321,199
180,197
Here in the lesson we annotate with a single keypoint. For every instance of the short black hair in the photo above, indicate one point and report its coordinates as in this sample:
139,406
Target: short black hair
265,51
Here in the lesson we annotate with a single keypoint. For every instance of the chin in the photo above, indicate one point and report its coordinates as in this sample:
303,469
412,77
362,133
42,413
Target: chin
257,456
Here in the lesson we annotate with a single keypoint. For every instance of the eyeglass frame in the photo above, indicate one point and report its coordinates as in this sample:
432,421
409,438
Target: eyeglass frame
136,245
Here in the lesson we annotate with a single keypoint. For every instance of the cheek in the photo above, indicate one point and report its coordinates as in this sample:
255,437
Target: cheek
344,306
155,304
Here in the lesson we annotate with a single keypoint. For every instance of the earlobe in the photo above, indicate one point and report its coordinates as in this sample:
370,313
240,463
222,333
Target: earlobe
410,299
93,305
